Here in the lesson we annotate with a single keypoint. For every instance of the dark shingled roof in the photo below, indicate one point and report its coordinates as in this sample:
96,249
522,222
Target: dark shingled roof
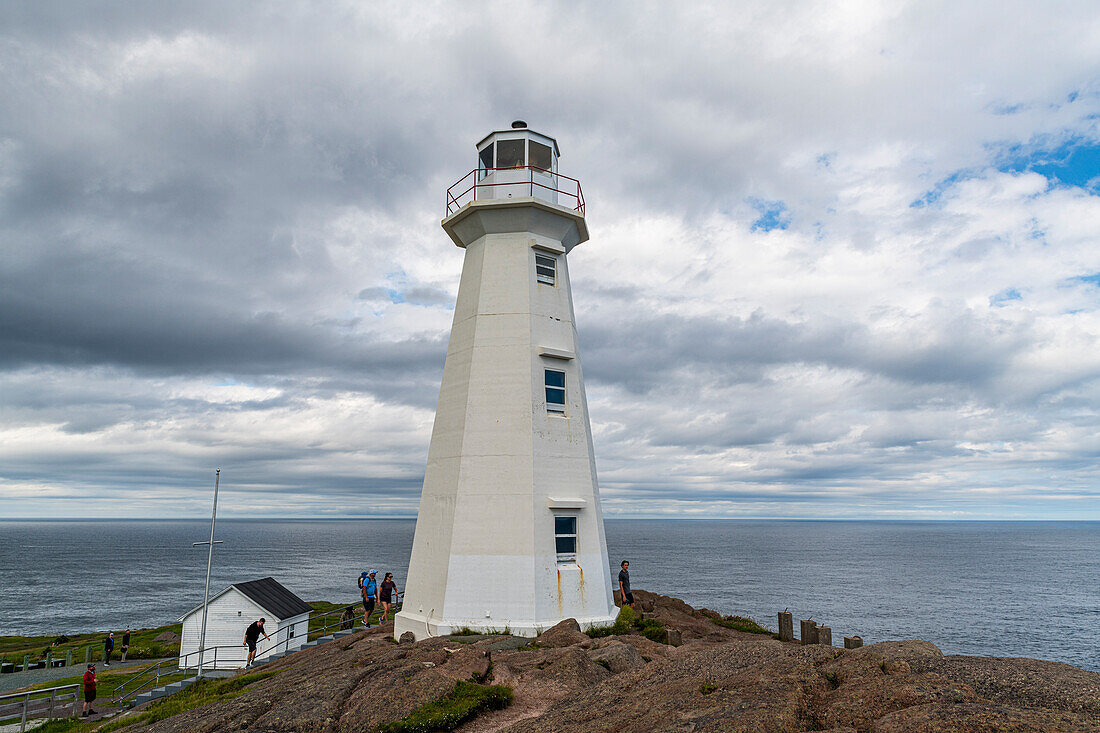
272,596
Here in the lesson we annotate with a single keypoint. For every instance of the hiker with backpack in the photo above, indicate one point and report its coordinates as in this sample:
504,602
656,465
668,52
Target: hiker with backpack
368,589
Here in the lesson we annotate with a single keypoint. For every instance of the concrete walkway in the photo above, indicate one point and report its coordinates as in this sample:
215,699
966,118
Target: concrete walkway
17,680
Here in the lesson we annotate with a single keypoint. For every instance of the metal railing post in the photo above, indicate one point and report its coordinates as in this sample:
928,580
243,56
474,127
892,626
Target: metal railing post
26,705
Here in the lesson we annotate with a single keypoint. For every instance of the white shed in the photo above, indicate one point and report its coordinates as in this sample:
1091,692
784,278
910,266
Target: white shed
231,611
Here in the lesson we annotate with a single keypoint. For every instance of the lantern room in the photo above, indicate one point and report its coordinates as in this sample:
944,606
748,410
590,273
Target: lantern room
516,163
517,148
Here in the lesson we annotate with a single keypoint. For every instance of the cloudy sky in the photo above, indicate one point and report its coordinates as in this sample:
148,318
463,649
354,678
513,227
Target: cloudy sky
843,261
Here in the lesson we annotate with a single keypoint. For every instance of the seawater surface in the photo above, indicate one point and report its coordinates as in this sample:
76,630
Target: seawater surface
990,588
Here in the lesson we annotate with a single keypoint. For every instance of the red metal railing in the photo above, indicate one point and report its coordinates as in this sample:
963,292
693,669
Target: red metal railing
473,182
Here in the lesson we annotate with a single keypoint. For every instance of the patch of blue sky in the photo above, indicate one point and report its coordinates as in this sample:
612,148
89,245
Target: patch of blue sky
1093,279
772,215
1071,162
1005,296
935,193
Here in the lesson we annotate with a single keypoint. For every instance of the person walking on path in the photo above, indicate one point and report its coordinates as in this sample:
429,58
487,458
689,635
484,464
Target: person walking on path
108,646
125,643
89,691
625,595
388,596
369,591
251,637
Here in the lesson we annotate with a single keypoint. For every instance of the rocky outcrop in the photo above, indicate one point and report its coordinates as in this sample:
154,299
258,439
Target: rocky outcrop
718,680
566,633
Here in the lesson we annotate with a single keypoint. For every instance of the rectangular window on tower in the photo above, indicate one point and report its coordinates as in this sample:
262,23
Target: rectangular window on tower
546,269
565,538
555,391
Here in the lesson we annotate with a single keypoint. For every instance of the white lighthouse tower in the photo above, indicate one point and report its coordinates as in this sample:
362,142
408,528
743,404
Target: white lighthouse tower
510,533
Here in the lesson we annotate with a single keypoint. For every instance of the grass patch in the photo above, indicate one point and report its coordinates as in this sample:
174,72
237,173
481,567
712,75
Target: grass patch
59,725
628,622
464,631
462,703
741,623
706,688
203,692
604,663
142,645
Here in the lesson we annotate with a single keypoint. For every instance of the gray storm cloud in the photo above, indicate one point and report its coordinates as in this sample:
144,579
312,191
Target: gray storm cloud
814,288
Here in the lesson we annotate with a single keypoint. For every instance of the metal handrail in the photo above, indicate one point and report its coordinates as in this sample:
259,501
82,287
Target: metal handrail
182,662
24,709
477,173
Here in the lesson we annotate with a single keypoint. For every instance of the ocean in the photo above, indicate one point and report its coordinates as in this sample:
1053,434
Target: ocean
1024,589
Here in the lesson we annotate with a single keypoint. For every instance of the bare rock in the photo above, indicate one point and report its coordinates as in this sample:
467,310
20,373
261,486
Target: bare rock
566,633
618,657
468,663
980,718
407,638
719,680
648,648
1019,682
167,637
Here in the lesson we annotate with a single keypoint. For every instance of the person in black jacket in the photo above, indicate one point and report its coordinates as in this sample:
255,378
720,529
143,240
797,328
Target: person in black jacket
108,646
251,636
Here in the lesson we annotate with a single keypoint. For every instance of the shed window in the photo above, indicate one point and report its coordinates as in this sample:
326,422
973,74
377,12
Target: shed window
510,153
565,538
546,269
486,159
539,155
555,391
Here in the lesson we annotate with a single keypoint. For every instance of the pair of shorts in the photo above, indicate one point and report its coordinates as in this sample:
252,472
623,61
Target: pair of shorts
89,695
368,606
386,600
251,645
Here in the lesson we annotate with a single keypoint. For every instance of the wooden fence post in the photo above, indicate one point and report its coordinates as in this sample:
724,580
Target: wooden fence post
824,635
808,632
786,626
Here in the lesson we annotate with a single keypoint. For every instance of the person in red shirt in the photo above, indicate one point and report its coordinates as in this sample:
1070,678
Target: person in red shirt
89,690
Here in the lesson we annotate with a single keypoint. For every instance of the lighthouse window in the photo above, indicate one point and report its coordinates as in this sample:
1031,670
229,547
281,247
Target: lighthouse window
540,155
565,538
545,269
486,158
555,391
510,153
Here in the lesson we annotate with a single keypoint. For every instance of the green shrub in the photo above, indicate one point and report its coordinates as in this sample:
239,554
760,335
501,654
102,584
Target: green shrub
624,624
706,688
462,703
627,622
741,623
